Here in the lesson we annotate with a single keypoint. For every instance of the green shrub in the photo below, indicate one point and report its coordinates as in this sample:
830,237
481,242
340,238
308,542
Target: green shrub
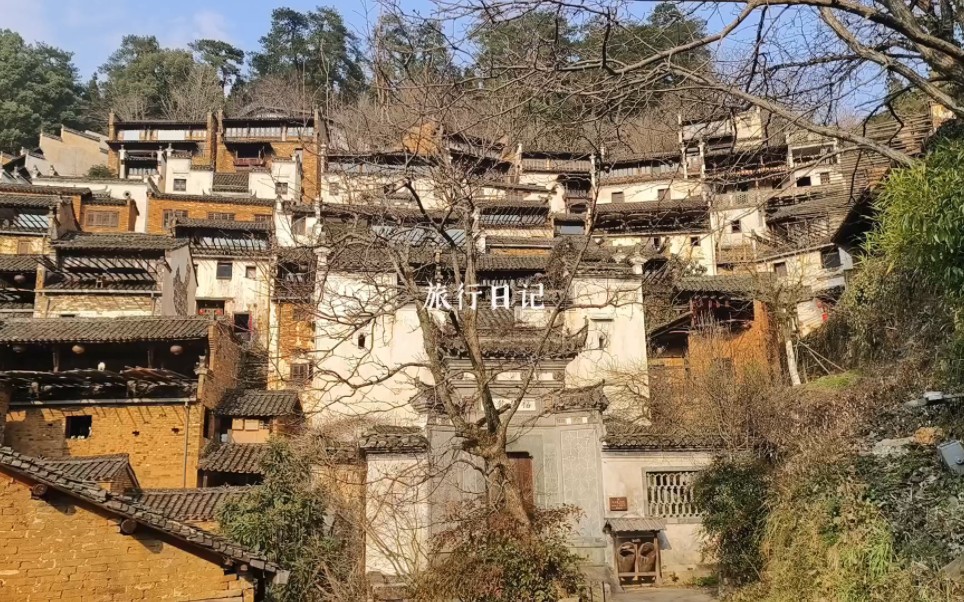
733,498
488,557
99,171
285,518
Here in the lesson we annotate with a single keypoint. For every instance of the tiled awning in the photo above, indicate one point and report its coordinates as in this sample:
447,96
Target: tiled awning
634,525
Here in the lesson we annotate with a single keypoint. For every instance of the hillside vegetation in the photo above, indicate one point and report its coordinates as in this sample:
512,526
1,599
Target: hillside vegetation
847,499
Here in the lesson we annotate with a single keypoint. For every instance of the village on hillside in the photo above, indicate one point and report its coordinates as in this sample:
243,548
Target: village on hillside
276,351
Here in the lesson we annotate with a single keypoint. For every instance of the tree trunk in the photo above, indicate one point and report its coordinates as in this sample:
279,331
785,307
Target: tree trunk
792,363
504,491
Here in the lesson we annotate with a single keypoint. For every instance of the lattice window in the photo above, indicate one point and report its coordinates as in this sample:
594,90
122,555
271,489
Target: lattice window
105,219
670,494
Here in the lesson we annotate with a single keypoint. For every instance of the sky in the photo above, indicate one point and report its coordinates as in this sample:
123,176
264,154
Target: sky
92,30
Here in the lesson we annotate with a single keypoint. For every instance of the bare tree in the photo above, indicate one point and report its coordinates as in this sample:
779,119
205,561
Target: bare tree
807,61
192,98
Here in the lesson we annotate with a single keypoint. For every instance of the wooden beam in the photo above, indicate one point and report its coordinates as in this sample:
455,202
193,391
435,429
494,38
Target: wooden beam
39,491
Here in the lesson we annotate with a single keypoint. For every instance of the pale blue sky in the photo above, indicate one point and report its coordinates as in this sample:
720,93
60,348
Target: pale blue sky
93,29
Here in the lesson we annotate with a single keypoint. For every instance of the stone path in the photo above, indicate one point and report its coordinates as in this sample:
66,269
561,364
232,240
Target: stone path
663,594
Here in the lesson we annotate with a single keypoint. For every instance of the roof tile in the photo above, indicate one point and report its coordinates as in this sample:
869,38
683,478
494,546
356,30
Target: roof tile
241,458
190,504
256,403
103,330
43,472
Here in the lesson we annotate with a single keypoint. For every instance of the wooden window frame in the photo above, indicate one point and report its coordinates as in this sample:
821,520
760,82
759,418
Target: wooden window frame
111,217
168,216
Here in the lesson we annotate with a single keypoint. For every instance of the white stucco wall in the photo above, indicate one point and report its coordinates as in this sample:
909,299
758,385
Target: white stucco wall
288,171
117,189
240,294
397,514
197,181
636,192
681,542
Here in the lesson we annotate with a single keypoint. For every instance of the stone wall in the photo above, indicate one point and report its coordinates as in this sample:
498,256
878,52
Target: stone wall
10,244
224,366
293,337
152,435
62,549
200,210
95,305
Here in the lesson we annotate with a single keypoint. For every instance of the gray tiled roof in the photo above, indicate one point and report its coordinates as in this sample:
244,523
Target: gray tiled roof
212,198
231,182
103,330
634,525
520,241
695,204
725,283
221,224
512,262
91,468
31,202
394,439
242,458
19,263
129,241
46,190
591,397
189,504
123,505
256,403
521,342
105,200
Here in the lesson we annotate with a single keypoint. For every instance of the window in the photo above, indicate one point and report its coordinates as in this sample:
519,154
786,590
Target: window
298,226
736,227
803,182
261,218
780,269
102,219
170,215
300,373
362,341
570,229
601,333
250,272
281,188
669,494
824,178
662,194
334,188
210,308
221,217
24,247
180,184
264,424
78,427
224,270
617,197
656,242
694,241
830,259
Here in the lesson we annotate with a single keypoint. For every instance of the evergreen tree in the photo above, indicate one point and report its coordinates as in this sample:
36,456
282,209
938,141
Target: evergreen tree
316,48
222,57
39,90
140,75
